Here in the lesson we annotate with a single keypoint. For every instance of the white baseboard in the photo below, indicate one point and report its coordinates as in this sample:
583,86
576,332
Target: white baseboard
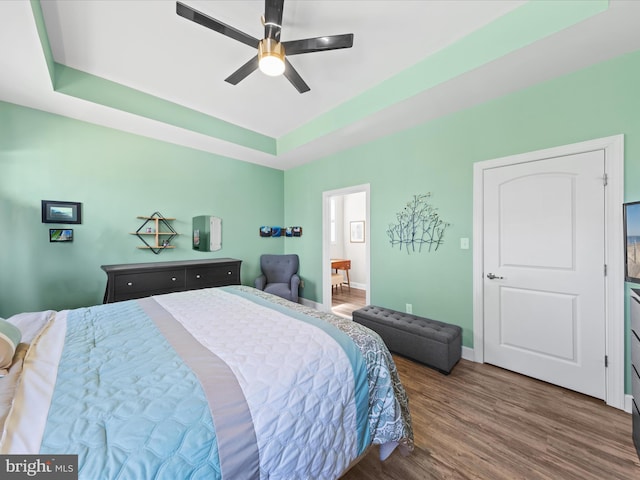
468,354
627,403
359,286
311,303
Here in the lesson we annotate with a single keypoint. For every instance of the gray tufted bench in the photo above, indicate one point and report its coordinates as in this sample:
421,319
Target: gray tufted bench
436,344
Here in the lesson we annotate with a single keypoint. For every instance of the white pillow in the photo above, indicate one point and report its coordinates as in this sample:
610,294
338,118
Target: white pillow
31,325
10,337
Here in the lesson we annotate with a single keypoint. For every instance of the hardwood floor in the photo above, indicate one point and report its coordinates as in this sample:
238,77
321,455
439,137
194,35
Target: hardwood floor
345,300
482,422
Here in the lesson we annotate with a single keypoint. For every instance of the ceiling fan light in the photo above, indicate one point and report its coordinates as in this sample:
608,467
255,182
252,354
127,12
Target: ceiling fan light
271,57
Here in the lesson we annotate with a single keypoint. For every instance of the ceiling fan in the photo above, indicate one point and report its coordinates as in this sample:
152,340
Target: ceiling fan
271,57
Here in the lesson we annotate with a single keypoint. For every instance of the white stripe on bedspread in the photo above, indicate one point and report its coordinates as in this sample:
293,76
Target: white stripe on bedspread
307,386
28,417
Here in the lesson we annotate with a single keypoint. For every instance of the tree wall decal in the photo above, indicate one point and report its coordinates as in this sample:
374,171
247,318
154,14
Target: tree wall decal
418,225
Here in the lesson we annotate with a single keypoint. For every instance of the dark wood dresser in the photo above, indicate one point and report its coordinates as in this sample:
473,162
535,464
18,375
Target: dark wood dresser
634,306
137,280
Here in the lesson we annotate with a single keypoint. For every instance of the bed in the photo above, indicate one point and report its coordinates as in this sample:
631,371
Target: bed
219,383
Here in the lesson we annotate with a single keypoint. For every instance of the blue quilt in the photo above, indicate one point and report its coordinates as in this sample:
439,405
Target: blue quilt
137,397
126,403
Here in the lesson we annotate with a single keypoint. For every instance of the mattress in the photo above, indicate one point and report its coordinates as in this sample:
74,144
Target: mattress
221,383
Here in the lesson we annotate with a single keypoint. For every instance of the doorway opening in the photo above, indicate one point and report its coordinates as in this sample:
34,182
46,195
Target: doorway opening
345,249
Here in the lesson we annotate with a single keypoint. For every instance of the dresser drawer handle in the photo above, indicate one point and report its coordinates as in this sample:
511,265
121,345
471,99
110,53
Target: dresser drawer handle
229,273
173,279
129,283
197,276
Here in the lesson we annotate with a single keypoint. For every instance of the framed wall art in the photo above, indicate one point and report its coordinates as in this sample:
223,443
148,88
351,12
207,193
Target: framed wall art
357,232
60,235
293,232
265,231
61,212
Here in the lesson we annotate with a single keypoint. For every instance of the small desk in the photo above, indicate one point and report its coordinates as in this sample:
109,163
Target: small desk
342,264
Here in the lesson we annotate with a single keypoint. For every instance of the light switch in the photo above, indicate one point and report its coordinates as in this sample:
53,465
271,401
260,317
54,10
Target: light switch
464,243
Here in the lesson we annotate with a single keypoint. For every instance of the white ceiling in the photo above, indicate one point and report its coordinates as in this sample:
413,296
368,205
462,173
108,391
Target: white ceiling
145,45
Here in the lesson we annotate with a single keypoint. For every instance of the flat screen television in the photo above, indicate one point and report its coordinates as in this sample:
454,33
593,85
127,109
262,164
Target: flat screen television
632,242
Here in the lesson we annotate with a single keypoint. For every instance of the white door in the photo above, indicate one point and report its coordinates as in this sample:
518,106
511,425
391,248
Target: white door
544,283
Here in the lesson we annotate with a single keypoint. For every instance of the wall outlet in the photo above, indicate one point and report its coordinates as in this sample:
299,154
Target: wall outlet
409,308
464,243
301,283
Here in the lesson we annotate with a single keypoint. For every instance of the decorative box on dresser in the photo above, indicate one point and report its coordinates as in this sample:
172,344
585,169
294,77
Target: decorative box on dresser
136,280
635,364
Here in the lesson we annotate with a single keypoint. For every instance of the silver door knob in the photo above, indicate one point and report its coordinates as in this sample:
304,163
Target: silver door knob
491,276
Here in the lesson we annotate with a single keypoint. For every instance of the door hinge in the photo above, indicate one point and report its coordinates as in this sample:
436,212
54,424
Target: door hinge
605,179
605,269
606,361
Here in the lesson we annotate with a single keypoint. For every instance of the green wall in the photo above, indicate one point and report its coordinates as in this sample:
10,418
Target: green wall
116,176
438,157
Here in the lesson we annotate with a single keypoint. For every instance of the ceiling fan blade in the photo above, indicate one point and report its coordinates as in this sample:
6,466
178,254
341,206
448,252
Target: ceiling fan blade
318,44
243,72
216,25
273,18
294,77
